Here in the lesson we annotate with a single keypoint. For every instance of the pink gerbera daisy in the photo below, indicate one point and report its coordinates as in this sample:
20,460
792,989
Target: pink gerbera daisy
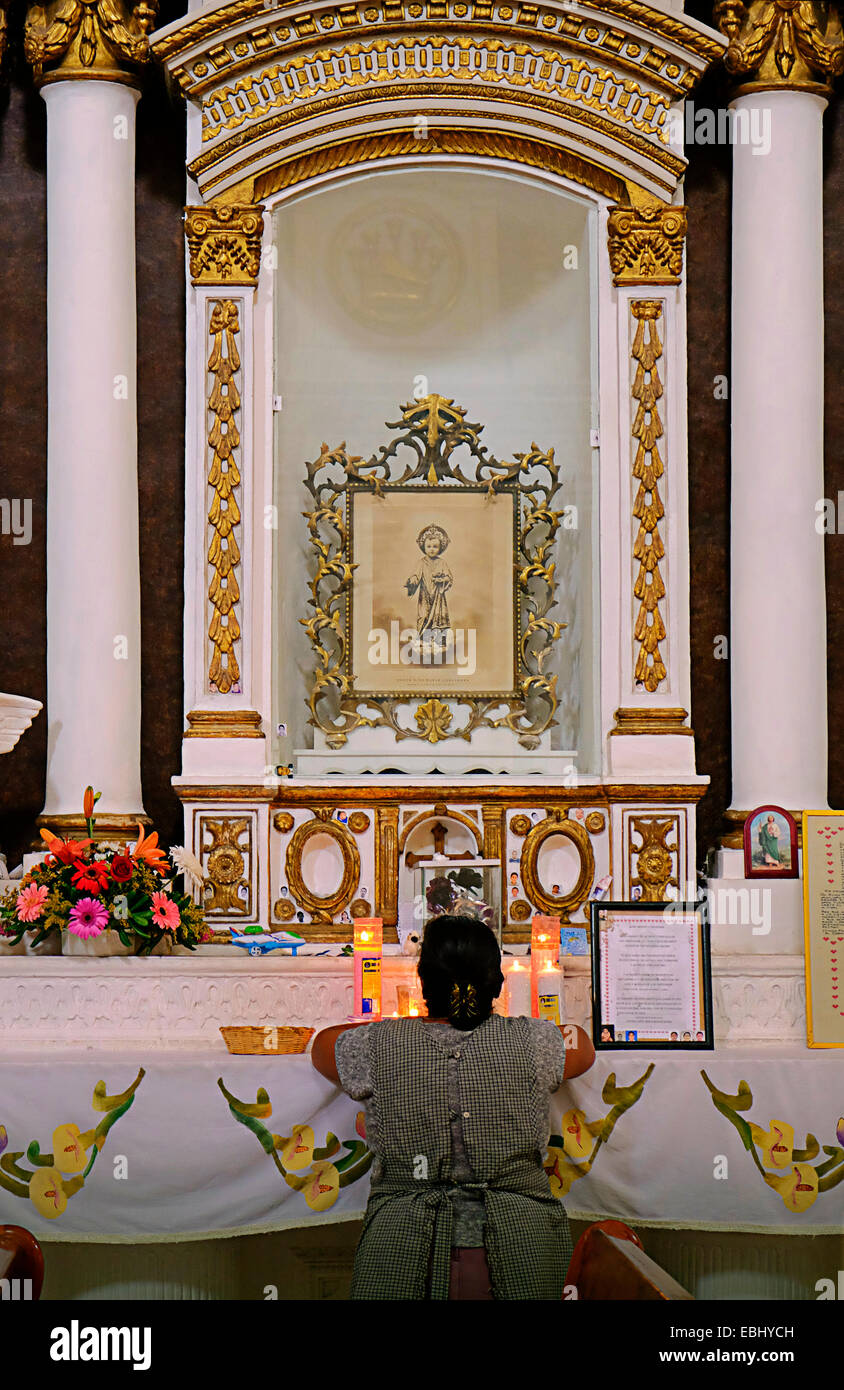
87,918
165,913
30,902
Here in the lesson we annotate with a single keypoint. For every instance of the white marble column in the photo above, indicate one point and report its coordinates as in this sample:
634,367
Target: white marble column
93,578
778,605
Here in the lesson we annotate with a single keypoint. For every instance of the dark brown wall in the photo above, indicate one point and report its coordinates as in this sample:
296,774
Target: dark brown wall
160,198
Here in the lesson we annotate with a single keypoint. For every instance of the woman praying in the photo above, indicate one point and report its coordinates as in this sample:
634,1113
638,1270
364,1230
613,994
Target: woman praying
457,1118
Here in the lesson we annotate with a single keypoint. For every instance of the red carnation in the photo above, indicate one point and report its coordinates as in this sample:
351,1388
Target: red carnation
122,868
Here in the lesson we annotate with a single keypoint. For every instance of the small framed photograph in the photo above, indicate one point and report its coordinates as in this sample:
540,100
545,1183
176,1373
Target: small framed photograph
651,978
770,844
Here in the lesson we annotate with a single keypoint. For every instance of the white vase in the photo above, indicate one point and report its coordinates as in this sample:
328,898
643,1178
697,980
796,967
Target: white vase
50,946
108,943
8,947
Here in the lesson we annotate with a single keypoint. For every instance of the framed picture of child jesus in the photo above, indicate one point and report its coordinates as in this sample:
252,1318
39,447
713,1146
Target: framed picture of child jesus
433,597
770,844
433,608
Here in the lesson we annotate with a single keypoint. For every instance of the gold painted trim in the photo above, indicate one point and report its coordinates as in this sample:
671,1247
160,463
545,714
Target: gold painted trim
556,824
224,480
449,141
652,721
655,857
733,836
440,812
89,40
665,159
121,828
323,908
236,723
224,243
776,45
387,862
649,628
293,793
646,244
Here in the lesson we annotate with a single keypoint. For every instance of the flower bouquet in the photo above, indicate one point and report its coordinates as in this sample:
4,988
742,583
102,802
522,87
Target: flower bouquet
83,889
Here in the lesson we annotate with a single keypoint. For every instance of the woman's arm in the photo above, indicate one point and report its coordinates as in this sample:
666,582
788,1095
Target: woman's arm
580,1054
322,1050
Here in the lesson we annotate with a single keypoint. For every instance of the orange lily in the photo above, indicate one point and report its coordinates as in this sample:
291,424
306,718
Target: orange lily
148,849
64,850
88,803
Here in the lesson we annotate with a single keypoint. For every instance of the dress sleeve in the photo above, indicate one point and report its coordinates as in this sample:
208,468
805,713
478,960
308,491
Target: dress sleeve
550,1053
351,1053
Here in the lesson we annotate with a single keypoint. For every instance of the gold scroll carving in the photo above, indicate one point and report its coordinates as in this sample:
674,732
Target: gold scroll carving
386,863
225,862
97,39
782,43
656,859
224,243
224,481
323,907
557,824
648,510
646,244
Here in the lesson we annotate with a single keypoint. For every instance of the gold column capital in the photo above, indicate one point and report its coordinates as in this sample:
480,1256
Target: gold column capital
224,241
795,45
104,40
646,244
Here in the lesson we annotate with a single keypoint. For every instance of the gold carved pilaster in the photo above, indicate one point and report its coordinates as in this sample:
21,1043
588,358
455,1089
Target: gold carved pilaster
225,483
656,856
224,242
646,244
226,854
106,40
387,863
796,44
648,510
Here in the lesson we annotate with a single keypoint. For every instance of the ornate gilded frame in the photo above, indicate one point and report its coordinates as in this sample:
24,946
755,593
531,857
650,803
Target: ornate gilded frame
557,823
323,908
433,428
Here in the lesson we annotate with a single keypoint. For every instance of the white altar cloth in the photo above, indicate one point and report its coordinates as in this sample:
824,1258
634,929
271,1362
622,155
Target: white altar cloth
178,1165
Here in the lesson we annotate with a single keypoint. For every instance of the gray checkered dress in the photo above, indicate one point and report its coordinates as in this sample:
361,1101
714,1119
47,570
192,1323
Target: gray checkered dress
405,1248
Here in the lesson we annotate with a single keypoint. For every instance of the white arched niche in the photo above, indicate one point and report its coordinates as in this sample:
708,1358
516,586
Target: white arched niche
482,282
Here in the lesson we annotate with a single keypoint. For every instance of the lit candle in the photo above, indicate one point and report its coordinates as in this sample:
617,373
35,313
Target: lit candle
544,950
367,952
549,989
518,991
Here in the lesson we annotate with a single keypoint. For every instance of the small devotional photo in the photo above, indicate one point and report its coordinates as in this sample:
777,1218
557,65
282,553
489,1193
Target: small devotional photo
607,1032
770,844
631,1035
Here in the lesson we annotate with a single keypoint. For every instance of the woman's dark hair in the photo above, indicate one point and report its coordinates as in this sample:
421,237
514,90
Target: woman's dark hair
460,970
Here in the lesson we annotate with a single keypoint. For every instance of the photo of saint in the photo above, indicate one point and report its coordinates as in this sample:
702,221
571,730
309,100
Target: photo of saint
431,581
769,834
770,842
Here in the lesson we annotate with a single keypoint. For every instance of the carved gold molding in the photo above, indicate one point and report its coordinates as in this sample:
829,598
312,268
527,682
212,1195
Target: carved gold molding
387,862
795,44
236,723
227,861
323,907
652,721
224,482
478,143
657,861
557,823
646,244
105,40
648,550
510,794
224,242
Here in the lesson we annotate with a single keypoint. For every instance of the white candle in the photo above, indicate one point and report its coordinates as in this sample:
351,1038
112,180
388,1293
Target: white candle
549,988
518,991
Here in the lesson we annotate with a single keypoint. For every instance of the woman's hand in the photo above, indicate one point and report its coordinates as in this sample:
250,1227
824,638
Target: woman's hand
322,1050
580,1054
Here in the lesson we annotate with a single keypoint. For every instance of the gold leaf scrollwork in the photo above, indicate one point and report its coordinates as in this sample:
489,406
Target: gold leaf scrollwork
648,510
782,43
557,825
87,37
432,430
655,856
224,242
228,889
646,244
224,514
323,907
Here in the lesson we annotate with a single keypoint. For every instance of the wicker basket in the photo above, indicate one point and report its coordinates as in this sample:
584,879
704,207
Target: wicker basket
268,1041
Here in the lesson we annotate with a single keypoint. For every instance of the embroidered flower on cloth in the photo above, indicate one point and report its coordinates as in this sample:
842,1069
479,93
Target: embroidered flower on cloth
90,878
165,913
30,902
47,1193
87,918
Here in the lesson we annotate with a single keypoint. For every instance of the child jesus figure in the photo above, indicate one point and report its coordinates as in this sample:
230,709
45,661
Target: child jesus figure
432,580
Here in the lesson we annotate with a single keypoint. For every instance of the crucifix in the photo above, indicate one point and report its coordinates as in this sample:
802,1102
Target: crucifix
438,834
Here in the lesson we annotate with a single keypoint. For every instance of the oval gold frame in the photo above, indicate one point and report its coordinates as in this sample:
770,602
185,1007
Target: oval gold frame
323,908
538,894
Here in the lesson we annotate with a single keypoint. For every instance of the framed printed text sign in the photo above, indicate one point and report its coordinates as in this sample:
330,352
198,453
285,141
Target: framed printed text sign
823,925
